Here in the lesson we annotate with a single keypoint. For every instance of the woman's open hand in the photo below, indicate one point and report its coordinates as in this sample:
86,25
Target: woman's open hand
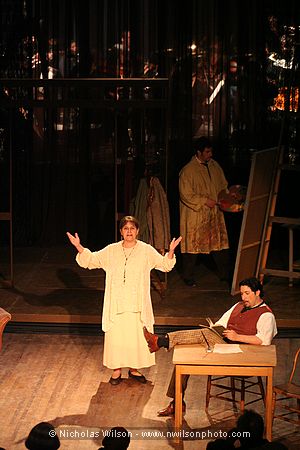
174,242
75,241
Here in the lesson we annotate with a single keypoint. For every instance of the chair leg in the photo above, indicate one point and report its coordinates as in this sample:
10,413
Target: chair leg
243,389
242,403
208,388
232,383
262,389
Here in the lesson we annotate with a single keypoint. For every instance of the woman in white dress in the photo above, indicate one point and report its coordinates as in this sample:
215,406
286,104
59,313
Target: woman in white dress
127,304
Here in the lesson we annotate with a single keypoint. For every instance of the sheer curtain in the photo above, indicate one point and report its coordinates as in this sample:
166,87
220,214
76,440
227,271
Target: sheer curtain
227,65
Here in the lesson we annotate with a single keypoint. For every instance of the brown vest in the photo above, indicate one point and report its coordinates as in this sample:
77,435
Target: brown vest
245,323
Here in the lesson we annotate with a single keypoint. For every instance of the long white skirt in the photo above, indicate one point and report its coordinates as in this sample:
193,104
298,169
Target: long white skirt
125,344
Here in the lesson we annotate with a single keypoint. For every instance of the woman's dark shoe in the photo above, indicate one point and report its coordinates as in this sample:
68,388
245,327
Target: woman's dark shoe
115,381
140,378
170,410
151,340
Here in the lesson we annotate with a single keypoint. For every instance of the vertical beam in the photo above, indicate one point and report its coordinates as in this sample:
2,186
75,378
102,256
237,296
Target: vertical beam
266,237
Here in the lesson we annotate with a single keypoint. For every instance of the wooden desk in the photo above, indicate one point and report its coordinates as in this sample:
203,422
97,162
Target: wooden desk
255,360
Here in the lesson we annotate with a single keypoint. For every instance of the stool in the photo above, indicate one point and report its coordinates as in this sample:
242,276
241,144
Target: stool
4,318
246,385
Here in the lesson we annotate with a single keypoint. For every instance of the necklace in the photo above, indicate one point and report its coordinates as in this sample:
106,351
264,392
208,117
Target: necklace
127,256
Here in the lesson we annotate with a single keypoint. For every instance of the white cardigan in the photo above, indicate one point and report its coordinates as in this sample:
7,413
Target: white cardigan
133,293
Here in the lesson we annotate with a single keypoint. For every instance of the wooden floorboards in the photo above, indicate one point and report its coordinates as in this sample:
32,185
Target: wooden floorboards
61,379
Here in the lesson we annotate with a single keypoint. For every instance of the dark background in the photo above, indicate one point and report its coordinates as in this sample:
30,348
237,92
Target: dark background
75,167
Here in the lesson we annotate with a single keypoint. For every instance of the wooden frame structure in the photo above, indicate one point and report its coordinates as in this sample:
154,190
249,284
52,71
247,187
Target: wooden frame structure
258,198
6,217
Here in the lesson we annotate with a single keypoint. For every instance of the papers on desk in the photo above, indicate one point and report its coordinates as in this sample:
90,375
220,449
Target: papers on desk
227,348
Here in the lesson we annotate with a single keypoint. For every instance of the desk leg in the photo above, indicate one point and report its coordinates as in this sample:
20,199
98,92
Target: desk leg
268,412
178,400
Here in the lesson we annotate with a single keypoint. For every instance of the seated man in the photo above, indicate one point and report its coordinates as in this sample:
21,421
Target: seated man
250,321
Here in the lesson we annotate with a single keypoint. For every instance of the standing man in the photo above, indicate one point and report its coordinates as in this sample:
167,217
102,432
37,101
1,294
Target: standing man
202,224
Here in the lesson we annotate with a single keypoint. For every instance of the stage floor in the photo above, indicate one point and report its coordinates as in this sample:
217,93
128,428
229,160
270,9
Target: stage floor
50,288
61,379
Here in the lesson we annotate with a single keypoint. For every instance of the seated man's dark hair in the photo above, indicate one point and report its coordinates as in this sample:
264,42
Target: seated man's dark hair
254,284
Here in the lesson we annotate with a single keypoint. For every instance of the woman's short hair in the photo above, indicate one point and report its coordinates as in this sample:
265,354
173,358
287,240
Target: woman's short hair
126,219
254,284
42,437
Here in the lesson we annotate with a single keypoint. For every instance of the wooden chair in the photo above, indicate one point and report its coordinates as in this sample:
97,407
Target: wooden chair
288,391
246,385
4,318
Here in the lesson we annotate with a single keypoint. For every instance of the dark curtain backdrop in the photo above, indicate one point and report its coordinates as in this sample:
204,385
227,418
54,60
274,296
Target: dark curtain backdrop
224,63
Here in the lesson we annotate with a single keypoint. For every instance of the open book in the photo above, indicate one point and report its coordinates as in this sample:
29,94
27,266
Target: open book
212,334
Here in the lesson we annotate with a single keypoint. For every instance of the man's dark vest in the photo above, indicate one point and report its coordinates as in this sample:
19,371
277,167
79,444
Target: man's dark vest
245,322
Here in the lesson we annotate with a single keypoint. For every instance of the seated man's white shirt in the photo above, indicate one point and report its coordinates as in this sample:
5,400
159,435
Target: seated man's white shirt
266,325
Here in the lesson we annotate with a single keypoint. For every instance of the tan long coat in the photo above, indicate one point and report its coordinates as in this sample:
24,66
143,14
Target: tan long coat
203,229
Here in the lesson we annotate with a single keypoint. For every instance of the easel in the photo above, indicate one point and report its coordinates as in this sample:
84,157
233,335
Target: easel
258,198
